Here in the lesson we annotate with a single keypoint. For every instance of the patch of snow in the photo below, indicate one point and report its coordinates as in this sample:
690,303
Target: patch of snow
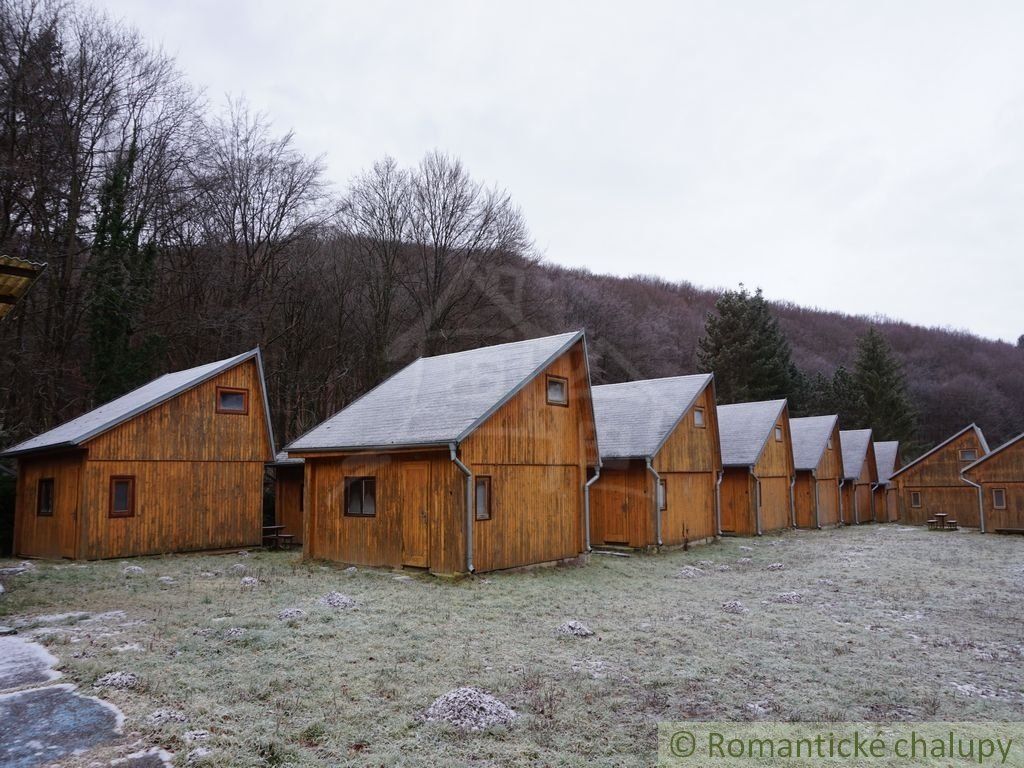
469,709
689,572
166,715
973,691
337,600
574,628
775,567
197,755
249,582
724,567
351,569
23,662
291,614
762,707
744,548
166,579
789,598
119,679
145,757
243,553
744,560
239,568
234,633
705,563
734,606
197,735
133,570
128,648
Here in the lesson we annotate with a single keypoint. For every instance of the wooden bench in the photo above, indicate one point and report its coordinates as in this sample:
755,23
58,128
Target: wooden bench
951,525
933,524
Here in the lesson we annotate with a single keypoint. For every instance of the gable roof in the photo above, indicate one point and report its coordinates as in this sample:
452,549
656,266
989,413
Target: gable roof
810,438
16,277
943,444
635,418
855,451
436,401
79,430
1012,441
886,454
744,428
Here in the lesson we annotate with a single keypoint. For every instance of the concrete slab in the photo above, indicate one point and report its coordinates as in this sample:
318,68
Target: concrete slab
24,663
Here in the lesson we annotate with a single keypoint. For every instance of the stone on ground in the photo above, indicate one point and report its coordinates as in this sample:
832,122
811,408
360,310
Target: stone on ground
469,709
775,567
689,572
734,606
119,679
337,600
574,628
291,614
133,570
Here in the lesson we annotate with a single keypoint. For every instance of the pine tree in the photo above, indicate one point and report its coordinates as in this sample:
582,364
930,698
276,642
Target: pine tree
1020,342
747,351
119,280
884,404
846,400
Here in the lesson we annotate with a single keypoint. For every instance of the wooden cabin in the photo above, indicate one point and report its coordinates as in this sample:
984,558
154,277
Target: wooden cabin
16,277
887,461
660,463
818,460
999,476
288,482
932,483
173,466
860,476
756,494
473,461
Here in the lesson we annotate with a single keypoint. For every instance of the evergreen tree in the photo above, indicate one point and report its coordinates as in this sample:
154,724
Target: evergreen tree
747,351
119,278
846,400
884,404
1020,342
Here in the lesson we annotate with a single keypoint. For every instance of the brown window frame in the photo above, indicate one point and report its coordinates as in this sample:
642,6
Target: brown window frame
661,495
45,482
974,457
547,390
234,391
352,480
916,495
703,421
485,481
995,505
130,512
779,434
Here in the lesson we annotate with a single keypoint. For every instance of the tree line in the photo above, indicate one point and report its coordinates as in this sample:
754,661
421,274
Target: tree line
177,232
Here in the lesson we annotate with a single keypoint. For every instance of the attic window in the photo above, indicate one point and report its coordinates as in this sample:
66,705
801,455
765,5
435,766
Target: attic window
830,444
232,400
915,499
122,496
483,498
44,497
998,498
361,497
968,454
778,434
698,418
557,390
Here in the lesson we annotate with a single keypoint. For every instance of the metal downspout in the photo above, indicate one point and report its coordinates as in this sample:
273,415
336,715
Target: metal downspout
842,518
718,502
586,502
792,501
874,511
757,501
856,506
469,507
981,502
657,505
817,501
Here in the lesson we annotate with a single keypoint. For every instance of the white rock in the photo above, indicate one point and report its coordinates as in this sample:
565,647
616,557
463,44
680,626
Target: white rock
469,709
122,680
734,606
337,600
133,570
574,628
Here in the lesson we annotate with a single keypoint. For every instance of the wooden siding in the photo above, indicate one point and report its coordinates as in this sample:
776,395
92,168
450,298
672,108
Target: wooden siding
55,536
942,489
1004,470
805,500
737,500
858,501
816,495
288,499
622,506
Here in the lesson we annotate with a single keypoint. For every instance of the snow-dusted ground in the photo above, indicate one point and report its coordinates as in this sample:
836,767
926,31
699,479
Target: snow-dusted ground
868,623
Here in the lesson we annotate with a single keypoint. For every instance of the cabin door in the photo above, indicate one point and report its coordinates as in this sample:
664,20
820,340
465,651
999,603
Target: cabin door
415,513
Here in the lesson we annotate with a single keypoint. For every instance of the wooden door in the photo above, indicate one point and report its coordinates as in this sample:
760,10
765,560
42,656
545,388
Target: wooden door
415,513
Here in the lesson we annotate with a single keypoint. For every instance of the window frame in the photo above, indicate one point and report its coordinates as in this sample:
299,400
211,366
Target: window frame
45,482
244,411
547,390
828,445
130,511
780,435
995,504
361,480
758,498
486,482
702,422
915,496
965,459
661,495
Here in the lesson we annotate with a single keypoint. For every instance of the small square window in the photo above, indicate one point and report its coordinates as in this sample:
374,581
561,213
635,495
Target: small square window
662,495
698,418
999,498
361,496
44,497
915,499
557,390
830,443
778,434
483,498
968,454
122,496
232,400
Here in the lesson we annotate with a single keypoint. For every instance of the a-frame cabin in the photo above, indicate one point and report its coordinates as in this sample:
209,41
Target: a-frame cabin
999,477
860,476
173,466
818,459
933,483
471,461
887,460
758,473
660,463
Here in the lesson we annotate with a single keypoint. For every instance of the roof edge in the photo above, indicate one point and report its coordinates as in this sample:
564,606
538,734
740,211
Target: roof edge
824,445
1012,441
942,445
709,378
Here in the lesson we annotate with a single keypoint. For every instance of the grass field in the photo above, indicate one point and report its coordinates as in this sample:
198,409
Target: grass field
871,623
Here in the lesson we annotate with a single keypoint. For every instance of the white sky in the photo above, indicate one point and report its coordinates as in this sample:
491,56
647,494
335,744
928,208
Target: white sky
863,156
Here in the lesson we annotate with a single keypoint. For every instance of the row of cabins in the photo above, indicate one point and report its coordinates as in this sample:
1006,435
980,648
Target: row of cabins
477,461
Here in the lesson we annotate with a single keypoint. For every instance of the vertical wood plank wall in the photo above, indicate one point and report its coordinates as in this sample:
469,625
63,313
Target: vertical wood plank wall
774,469
55,536
738,499
826,500
1005,470
288,498
622,506
942,489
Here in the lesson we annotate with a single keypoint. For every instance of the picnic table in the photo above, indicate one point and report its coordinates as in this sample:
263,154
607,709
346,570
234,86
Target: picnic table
941,521
275,537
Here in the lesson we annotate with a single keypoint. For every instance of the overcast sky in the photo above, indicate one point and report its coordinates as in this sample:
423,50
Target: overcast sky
859,156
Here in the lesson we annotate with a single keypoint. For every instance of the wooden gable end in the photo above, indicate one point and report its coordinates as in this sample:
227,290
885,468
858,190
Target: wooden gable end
830,466
1007,466
691,448
943,467
869,470
776,459
189,427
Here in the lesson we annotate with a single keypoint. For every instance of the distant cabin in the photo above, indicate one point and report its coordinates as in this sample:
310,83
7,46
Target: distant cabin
288,482
818,459
660,462
1001,477
933,484
173,466
887,460
860,475
758,471
469,461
